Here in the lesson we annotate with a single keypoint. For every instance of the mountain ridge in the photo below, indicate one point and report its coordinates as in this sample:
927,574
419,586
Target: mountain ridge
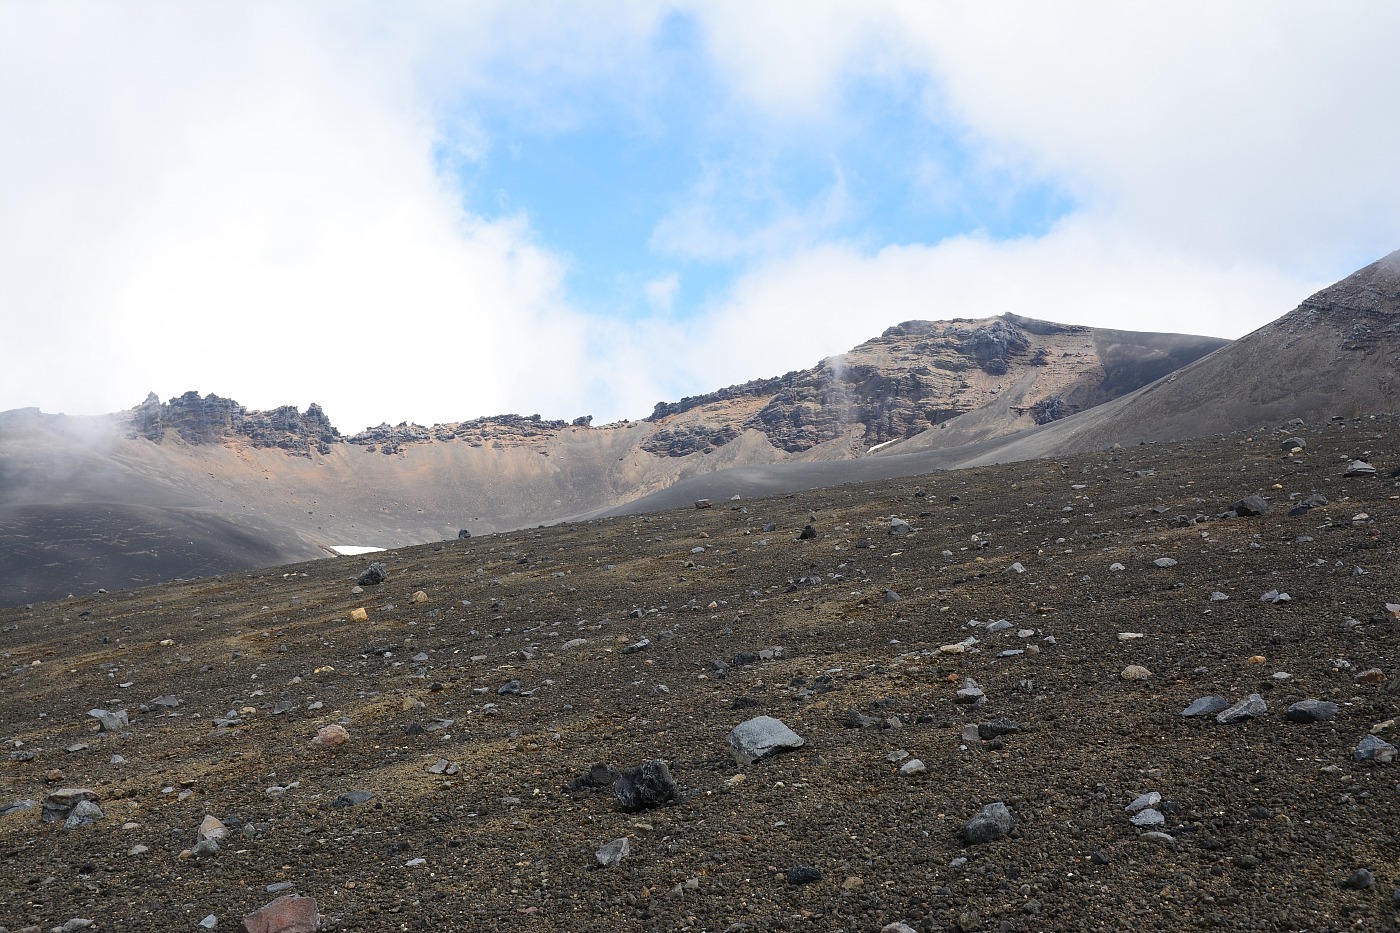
801,410
923,396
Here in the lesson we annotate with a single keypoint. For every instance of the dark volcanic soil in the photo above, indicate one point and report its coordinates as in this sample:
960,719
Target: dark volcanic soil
1265,820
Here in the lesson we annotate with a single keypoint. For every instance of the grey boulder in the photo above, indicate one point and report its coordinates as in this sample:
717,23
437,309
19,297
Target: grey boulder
1206,706
761,737
1248,708
111,720
994,821
1310,711
1250,506
1374,748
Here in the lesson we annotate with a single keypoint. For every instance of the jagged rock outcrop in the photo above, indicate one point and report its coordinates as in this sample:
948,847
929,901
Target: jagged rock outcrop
993,346
212,420
754,388
915,376
1049,409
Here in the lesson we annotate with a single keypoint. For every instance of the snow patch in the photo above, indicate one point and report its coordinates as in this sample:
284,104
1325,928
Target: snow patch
349,550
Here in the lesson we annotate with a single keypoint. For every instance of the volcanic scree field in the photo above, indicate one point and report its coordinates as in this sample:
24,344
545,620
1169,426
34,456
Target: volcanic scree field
471,715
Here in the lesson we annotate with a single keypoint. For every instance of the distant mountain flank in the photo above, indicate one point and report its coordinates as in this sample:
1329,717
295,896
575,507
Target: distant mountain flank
916,375
1334,357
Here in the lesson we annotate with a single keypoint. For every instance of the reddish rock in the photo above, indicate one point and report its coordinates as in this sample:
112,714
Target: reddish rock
331,736
288,914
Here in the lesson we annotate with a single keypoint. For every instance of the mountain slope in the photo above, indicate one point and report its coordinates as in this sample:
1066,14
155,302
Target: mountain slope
202,484
981,656
1336,354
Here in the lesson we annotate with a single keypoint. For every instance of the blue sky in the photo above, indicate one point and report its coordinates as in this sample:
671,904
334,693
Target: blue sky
429,212
687,184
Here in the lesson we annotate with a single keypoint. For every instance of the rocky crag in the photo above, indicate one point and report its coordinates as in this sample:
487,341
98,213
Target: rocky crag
214,420
120,500
923,374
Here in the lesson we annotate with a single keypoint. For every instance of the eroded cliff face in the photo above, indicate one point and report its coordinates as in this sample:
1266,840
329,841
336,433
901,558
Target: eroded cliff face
921,374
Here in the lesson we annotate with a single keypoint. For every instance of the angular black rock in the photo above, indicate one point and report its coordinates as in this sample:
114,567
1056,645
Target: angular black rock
1250,505
1310,711
649,784
374,574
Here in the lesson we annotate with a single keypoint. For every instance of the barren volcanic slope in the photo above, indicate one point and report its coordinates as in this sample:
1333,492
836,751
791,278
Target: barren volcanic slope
989,640
1336,353
201,485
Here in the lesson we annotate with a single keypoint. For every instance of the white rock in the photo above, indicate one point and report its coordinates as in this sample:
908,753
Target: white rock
614,852
1149,799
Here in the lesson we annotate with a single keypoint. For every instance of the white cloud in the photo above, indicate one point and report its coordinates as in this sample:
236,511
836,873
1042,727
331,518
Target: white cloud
1248,129
661,293
820,301
259,218
744,215
243,198
1226,162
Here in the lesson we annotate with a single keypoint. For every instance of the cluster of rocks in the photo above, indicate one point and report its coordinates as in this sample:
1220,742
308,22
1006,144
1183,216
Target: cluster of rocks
682,440
1049,409
497,431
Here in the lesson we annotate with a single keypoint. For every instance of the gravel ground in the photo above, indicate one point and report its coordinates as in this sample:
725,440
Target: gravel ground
472,824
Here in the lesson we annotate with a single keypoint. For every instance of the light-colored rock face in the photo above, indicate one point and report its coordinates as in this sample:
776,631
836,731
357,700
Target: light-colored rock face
1015,372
